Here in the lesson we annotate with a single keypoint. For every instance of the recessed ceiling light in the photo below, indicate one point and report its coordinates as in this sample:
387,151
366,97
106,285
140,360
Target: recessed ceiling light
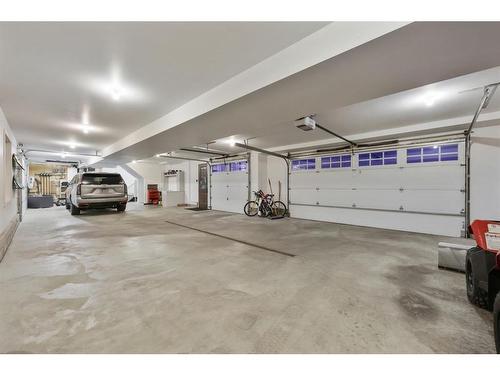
116,93
134,161
85,129
430,99
158,155
63,155
72,146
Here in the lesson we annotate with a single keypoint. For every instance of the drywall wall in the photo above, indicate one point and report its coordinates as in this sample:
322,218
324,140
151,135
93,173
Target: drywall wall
276,172
485,173
190,169
8,198
151,173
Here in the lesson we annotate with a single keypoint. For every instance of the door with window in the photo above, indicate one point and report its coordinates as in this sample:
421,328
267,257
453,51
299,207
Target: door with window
202,187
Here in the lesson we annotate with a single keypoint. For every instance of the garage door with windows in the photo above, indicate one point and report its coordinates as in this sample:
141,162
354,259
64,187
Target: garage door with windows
418,188
229,185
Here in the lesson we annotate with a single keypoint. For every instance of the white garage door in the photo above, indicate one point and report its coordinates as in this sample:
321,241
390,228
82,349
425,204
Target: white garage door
229,186
417,189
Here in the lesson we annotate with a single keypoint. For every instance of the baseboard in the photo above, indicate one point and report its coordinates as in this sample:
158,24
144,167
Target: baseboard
7,235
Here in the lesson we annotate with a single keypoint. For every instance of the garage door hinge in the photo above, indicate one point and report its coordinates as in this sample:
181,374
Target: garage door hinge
317,188
317,203
401,208
354,205
462,190
401,189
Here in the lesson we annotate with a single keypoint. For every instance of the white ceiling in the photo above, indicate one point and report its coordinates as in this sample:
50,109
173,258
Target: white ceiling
54,75
377,86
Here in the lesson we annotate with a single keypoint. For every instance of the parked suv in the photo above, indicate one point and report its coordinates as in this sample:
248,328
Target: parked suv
482,273
96,190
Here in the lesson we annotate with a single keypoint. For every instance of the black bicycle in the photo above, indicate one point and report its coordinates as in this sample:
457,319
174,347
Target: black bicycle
265,205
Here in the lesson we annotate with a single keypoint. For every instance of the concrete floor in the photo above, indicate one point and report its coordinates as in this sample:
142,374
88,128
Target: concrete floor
105,282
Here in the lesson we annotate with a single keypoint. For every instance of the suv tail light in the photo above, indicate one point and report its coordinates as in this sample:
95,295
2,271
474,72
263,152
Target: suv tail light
79,189
125,189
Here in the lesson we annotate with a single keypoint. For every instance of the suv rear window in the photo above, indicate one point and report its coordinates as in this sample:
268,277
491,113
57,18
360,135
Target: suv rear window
101,179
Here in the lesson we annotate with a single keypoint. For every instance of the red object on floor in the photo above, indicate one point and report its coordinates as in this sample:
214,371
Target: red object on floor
478,228
153,196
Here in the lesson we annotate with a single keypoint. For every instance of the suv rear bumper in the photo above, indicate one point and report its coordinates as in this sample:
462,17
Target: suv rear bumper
84,203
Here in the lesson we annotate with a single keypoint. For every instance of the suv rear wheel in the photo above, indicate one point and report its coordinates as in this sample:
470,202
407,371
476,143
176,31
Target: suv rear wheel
74,210
475,294
121,207
496,321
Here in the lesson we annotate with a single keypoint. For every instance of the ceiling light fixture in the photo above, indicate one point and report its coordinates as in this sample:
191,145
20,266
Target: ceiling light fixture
134,161
116,94
430,99
72,146
231,142
157,155
85,129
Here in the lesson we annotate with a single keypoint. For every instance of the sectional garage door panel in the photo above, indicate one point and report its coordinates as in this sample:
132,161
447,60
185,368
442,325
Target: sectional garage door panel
229,186
412,186
431,224
378,178
450,177
432,201
336,197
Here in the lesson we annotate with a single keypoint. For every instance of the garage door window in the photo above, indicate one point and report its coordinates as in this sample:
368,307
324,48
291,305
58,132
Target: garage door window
218,168
340,161
389,157
303,164
432,154
238,166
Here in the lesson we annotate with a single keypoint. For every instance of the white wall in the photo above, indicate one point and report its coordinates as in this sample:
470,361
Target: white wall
190,169
8,208
151,173
72,171
485,173
276,171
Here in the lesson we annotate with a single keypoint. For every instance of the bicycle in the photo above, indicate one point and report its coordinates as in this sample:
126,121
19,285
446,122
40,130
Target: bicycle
266,205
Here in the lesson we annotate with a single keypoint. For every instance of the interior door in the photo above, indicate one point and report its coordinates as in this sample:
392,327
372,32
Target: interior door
202,187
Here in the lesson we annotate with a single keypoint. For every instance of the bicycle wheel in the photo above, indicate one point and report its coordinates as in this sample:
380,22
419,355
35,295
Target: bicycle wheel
251,208
278,209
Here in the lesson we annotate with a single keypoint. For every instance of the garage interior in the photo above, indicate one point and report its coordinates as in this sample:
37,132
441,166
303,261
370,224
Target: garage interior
400,153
